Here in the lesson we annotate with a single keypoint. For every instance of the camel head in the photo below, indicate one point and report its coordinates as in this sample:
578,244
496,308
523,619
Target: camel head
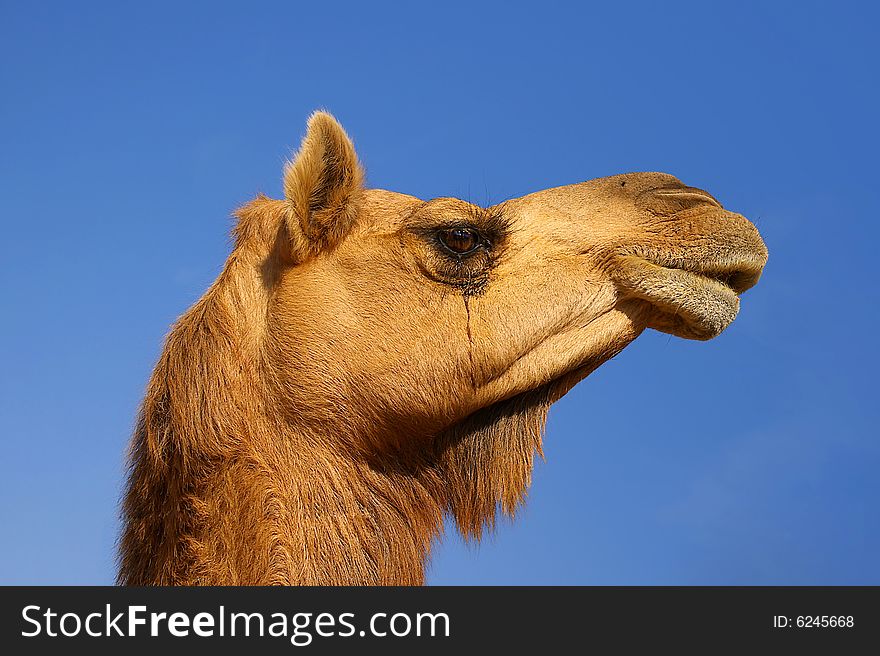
410,315
369,361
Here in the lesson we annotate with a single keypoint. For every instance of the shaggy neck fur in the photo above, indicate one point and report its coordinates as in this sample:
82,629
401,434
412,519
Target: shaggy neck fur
225,490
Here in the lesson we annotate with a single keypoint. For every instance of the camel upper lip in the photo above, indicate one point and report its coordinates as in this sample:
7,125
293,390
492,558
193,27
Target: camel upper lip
736,270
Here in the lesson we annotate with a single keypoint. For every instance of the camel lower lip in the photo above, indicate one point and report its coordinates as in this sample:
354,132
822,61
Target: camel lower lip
686,304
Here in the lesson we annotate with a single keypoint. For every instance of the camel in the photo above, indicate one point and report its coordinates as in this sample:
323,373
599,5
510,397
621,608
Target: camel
368,363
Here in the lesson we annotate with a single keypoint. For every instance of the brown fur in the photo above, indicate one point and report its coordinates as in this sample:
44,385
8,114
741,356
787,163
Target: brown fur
346,381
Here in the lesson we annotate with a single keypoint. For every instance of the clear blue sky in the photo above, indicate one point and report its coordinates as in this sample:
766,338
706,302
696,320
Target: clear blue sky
129,131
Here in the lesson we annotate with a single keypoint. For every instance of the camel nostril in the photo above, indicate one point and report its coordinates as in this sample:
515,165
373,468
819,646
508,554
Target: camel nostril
689,196
672,199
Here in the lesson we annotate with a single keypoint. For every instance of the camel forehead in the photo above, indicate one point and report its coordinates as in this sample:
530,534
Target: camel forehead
382,205
388,209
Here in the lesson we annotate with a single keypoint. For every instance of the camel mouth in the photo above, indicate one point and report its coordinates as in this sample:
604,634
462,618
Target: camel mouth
694,300
738,273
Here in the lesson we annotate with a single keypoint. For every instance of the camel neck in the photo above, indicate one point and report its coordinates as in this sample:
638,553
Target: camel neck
285,515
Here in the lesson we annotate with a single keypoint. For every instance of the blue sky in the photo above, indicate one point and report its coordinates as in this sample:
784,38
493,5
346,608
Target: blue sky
130,131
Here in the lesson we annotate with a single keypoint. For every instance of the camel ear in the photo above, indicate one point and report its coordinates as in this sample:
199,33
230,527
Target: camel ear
323,186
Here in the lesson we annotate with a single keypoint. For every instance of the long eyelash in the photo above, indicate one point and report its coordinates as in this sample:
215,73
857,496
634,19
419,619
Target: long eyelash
491,224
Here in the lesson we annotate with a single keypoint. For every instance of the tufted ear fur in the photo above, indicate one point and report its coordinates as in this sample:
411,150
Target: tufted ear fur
323,186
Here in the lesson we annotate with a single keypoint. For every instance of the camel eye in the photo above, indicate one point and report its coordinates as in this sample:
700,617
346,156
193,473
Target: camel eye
460,240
